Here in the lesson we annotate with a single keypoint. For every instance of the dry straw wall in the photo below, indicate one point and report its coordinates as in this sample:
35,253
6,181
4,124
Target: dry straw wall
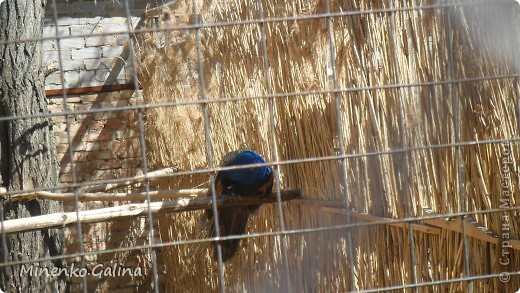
373,51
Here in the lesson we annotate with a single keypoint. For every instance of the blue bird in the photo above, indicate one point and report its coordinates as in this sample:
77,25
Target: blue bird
241,182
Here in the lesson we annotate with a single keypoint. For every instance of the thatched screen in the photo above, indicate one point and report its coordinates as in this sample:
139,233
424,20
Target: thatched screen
414,87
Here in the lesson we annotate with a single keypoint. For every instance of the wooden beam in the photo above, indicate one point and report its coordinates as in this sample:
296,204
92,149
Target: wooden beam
338,207
310,202
385,221
109,196
135,210
91,89
99,192
473,229
155,175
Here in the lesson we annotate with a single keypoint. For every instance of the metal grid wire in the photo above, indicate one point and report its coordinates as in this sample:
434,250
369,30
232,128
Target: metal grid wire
336,90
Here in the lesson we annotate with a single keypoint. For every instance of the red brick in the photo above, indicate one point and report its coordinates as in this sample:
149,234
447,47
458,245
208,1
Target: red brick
82,107
65,167
73,99
62,138
115,145
75,127
106,155
104,145
132,163
98,125
89,98
103,96
55,108
62,148
84,166
91,146
61,156
92,136
116,96
128,133
58,119
109,164
100,116
124,115
67,178
130,143
78,157
106,134
126,149
115,124
86,146
81,117
59,127
100,136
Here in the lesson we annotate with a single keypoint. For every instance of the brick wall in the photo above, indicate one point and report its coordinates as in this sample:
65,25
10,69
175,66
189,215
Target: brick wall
89,59
105,145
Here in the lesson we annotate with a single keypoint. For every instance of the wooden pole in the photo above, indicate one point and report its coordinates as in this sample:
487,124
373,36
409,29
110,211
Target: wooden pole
136,209
108,196
150,176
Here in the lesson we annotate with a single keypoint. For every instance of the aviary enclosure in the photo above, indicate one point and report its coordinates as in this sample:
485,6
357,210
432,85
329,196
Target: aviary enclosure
392,128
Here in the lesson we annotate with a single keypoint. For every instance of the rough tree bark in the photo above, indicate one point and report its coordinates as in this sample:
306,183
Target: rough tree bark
27,148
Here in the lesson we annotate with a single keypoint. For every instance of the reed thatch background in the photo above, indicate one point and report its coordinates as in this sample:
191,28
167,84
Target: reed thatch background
372,49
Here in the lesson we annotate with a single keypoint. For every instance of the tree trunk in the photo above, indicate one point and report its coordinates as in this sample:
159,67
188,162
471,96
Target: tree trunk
27,149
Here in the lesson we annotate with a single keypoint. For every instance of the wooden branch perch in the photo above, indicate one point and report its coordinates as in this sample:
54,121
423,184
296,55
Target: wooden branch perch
150,176
388,221
108,196
433,226
338,207
99,192
473,229
136,209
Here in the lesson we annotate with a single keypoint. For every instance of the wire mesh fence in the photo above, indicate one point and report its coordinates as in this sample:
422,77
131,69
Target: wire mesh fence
391,129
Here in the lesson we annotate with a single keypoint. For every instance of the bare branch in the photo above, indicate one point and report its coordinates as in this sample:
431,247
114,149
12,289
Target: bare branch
150,176
108,196
136,209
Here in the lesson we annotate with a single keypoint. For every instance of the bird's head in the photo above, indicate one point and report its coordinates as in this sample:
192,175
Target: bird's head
248,176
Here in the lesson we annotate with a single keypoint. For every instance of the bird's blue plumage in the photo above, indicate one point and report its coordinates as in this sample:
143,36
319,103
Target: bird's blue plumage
242,182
